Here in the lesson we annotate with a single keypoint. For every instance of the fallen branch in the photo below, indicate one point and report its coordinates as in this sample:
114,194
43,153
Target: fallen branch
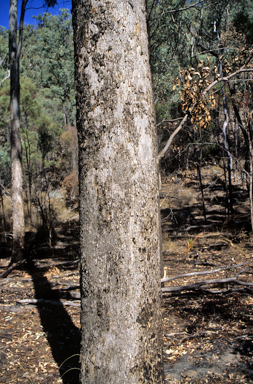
172,335
71,287
198,334
202,273
11,268
50,302
224,291
70,295
57,263
199,284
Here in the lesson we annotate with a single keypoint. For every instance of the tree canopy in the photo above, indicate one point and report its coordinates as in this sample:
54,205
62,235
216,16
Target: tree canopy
192,44
47,92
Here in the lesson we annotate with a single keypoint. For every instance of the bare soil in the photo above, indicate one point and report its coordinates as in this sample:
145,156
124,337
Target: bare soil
208,332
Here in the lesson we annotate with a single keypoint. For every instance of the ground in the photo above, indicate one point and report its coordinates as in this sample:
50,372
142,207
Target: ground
40,313
208,330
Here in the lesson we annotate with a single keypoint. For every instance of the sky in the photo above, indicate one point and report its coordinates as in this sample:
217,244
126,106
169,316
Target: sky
34,8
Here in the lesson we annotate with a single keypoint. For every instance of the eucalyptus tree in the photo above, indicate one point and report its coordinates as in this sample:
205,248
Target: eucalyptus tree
119,210
183,34
4,72
4,110
219,34
30,114
15,47
52,57
242,15
5,164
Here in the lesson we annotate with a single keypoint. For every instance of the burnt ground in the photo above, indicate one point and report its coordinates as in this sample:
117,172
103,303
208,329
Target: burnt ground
40,315
208,330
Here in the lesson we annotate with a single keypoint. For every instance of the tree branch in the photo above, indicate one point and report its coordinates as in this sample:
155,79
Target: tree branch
161,154
176,10
169,121
7,77
3,187
21,28
2,60
226,78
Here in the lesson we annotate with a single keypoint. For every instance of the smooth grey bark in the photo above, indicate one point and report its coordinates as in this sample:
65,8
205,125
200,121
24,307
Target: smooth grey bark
15,47
18,222
119,207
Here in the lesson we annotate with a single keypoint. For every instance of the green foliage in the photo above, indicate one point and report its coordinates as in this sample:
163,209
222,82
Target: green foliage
47,104
52,56
45,140
184,34
4,133
5,165
28,99
4,57
4,109
243,19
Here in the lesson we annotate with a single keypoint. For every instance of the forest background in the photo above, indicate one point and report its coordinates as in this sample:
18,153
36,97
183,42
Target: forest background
201,53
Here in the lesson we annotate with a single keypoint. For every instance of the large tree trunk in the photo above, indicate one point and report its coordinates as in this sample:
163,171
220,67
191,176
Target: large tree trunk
119,210
16,149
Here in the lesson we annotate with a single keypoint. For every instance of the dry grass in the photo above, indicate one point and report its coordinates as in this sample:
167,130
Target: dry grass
60,213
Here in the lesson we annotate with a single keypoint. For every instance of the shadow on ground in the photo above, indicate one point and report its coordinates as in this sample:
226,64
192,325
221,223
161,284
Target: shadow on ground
62,335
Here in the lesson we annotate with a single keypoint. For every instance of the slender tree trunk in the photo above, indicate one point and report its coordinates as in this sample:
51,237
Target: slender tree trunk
16,148
66,117
3,212
74,158
119,208
202,189
225,184
251,173
225,136
251,187
27,150
229,160
226,146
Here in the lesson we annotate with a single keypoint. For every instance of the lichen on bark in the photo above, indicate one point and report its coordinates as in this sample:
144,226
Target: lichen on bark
119,210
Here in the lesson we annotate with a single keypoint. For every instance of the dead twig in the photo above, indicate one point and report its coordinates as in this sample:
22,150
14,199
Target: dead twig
170,335
50,302
199,284
224,291
12,267
203,272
